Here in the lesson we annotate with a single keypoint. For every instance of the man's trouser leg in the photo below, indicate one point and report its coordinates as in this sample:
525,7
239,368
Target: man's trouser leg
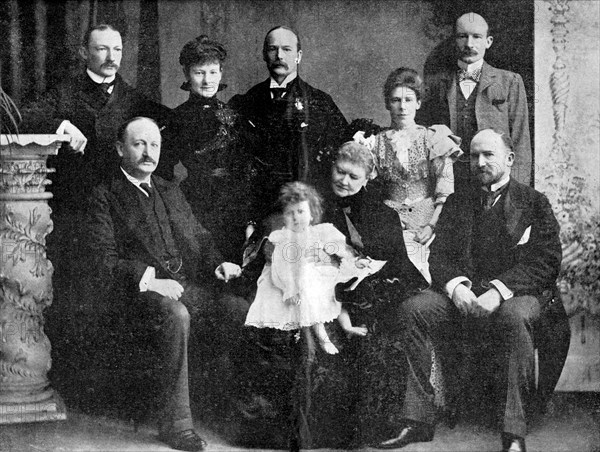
171,322
513,324
422,316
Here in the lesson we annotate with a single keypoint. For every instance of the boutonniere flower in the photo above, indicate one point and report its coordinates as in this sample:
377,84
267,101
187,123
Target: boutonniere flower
299,105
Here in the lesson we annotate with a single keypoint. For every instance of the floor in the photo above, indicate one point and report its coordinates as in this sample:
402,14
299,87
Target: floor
572,424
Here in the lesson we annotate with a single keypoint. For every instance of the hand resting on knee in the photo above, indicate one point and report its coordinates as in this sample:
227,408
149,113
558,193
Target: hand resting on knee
166,287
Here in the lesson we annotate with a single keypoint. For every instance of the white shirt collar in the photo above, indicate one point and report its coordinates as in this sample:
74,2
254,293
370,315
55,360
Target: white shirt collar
501,183
470,67
137,182
285,82
98,78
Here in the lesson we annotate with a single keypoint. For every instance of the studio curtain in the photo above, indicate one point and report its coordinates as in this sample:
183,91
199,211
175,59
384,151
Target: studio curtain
40,41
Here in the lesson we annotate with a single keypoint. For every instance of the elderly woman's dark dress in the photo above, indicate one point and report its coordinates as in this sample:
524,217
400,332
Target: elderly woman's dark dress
347,399
373,228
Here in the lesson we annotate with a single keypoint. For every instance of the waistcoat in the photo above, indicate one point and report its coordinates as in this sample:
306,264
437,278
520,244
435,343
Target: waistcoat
158,223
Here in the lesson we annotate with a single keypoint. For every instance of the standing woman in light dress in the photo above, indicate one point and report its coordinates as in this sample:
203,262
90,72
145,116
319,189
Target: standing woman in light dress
415,163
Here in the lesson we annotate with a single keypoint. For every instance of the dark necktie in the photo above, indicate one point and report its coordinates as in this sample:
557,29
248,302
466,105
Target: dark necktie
465,75
278,94
489,197
147,188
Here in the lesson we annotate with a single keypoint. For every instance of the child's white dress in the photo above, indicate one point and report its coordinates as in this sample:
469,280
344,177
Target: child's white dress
307,265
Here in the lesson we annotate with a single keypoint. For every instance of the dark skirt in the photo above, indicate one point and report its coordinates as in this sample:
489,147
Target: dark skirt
294,395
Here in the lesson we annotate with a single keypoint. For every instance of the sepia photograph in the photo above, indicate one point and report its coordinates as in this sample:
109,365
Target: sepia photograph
284,225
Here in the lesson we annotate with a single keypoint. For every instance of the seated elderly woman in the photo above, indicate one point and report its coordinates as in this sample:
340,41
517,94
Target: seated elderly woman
354,205
209,139
331,399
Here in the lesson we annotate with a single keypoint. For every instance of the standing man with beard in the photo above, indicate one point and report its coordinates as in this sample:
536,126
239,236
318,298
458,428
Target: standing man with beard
494,264
476,96
298,126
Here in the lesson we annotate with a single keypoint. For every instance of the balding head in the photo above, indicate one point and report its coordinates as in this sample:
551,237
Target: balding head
472,19
491,156
472,37
138,145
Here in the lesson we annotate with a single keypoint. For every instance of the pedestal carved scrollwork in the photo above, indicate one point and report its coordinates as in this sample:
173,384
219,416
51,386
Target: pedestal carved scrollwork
25,280
559,80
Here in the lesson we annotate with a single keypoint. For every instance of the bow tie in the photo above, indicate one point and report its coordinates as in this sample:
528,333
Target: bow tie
278,93
105,86
465,75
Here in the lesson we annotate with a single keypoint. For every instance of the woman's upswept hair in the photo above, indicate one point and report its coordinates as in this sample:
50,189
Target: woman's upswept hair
295,192
405,77
201,50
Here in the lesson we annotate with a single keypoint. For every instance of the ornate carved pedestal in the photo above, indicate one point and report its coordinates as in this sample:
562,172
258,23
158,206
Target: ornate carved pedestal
25,280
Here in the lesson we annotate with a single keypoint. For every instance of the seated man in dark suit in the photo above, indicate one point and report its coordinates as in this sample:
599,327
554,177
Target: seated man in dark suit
150,253
494,265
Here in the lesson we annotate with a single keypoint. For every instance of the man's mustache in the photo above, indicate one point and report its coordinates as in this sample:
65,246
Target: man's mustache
280,64
147,160
109,65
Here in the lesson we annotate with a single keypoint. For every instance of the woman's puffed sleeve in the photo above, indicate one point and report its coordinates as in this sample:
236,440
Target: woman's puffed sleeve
444,149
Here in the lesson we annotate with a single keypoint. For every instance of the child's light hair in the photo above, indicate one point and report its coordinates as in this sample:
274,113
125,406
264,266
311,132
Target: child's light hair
295,192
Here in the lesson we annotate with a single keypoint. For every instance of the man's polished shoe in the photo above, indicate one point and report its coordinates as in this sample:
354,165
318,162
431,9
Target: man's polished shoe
513,443
187,440
412,433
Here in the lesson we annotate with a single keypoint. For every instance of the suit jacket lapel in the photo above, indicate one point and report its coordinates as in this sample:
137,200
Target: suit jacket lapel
180,225
116,92
126,206
450,86
488,77
516,213
87,93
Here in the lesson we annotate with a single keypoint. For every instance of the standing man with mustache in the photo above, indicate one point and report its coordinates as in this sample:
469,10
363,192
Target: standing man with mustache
298,129
299,126
89,107
477,96
494,264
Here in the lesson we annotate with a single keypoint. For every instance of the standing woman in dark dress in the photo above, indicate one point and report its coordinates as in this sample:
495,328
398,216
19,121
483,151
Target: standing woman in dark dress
209,140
